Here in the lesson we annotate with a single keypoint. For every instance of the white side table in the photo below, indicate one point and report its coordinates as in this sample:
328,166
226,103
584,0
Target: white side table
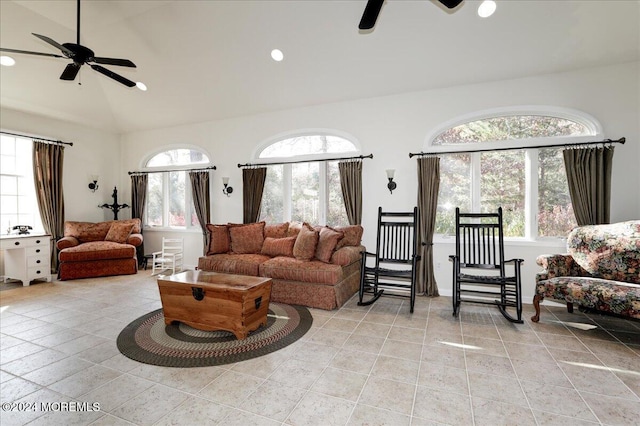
26,257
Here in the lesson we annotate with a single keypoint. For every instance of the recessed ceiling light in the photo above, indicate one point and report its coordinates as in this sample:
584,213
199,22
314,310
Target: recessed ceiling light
7,61
277,55
140,85
486,8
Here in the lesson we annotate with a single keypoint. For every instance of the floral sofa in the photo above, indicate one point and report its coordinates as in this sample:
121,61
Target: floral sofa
318,267
98,249
601,270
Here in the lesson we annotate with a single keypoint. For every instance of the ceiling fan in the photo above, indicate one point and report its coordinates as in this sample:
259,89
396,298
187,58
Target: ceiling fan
372,9
80,55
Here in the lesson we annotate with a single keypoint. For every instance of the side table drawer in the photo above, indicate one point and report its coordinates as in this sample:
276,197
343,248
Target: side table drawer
39,272
37,251
39,261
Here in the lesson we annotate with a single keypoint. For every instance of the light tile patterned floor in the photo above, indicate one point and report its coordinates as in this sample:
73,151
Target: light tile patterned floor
375,365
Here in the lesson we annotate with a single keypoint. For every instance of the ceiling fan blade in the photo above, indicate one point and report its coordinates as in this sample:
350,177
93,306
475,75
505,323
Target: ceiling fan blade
113,75
113,61
450,3
70,72
370,15
28,52
54,43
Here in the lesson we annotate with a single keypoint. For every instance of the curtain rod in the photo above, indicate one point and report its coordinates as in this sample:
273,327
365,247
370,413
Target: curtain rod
146,172
38,139
606,141
359,157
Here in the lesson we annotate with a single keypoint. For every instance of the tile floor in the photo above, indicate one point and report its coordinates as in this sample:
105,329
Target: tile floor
374,365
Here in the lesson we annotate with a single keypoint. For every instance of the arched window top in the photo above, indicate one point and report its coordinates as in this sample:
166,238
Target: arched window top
307,145
177,157
520,123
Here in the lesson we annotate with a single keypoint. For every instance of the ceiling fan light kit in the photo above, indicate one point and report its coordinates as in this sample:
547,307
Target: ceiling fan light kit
80,55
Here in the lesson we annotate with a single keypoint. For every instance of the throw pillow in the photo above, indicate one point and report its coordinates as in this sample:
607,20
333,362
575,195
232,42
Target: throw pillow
294,229
352,235
278,246
327,241
119,232
218,239
278,230
246,239
306,242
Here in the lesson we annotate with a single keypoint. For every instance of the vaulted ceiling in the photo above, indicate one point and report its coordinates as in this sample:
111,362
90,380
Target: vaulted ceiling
206,60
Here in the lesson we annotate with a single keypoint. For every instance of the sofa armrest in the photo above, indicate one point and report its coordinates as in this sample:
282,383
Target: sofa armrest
66,242
135,239
559,265
347,255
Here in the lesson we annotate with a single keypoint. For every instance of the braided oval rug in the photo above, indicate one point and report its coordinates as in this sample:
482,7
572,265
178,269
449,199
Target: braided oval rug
150,341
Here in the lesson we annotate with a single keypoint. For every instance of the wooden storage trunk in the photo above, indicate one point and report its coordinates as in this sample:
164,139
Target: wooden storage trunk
214,301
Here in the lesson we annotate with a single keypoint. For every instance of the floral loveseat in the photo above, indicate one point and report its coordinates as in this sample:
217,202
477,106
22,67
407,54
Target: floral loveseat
601,271
316,267
98,249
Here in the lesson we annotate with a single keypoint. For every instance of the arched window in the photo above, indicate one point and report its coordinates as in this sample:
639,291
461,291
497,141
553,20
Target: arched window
169,202
307,190
529,184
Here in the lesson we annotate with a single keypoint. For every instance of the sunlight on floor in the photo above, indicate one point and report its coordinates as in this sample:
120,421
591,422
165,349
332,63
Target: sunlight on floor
461,346
578,325
602,367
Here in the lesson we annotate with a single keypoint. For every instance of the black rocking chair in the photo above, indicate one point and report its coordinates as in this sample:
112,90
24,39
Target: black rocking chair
480,247
393,266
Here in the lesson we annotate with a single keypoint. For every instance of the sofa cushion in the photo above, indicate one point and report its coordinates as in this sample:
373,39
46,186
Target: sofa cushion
119,232
289,268
278,246
608,251
328,239
352,235
66,242
241,264
246,239
596,293
218,239
97,250
306,242
276,230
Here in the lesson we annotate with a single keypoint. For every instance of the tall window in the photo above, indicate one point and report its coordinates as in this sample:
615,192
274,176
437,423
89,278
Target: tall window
529,184
18,205
169,202
308,191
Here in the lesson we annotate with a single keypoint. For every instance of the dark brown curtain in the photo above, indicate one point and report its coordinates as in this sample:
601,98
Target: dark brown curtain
589,178
428,186
252,188
201,202
351,184
48,161
138,203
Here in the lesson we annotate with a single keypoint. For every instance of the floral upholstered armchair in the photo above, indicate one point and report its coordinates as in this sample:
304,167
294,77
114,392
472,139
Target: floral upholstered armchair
601,270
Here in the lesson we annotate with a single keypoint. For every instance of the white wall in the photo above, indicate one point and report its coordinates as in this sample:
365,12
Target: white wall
389,127
93,152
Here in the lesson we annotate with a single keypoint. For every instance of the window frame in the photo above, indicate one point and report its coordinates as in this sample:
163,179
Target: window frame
531,155
189,207
322,159
27,180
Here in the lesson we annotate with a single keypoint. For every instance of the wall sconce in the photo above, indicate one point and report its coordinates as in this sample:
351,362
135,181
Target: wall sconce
93,185
227,190
391,185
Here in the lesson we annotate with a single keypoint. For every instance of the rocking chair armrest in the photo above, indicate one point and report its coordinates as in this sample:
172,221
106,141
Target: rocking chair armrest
515,260
155,253
367,253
